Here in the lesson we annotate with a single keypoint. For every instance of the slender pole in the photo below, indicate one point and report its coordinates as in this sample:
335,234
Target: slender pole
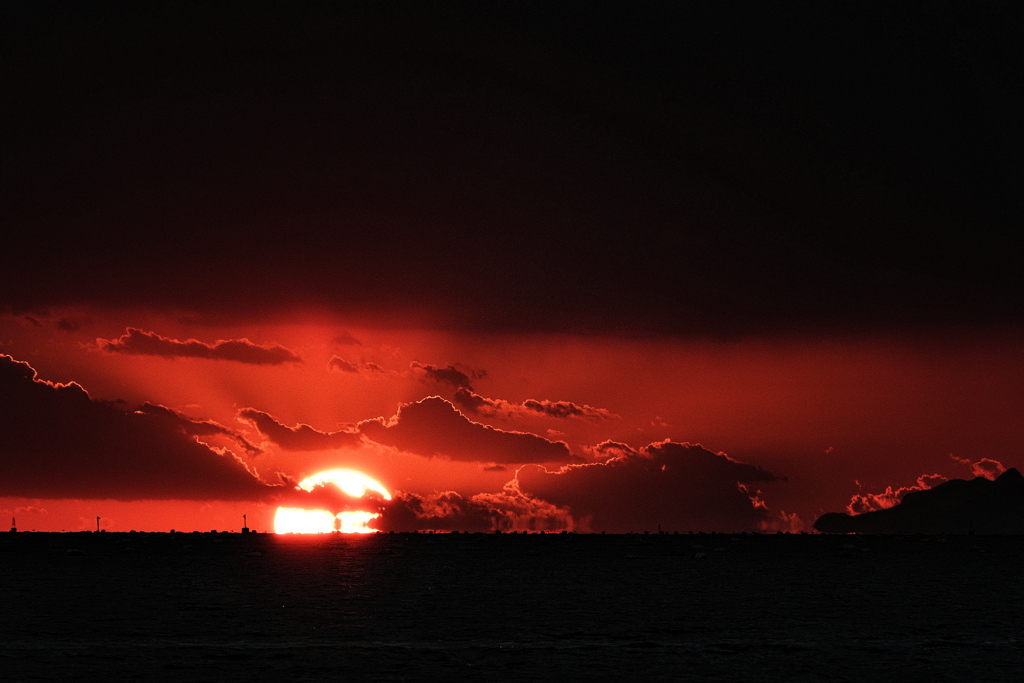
97,524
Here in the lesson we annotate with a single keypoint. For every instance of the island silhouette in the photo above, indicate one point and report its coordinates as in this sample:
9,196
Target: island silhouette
958,506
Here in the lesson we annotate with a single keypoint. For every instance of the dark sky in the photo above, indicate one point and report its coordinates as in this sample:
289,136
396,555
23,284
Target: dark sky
685,168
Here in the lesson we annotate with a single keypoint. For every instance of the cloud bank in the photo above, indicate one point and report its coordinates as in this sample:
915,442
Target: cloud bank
58,442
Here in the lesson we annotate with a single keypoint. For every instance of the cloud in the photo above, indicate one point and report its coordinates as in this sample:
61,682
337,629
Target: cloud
364,367
862,503
869,502
58,442
680,486
196,427
300,437
986,467
140,343
446,375
980,505
507,510
44,318
439,511
432,427
559,410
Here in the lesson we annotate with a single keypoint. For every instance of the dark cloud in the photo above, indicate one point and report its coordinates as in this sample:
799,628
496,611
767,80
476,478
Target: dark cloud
342,365
194,427
477,404
567,409
432,427
496,407
868,502
862,503
300,437
446,375
69,324
57,442
980,505
364,367
677,485
139,342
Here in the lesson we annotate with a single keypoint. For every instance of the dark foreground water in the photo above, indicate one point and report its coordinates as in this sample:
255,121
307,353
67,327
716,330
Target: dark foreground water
226,607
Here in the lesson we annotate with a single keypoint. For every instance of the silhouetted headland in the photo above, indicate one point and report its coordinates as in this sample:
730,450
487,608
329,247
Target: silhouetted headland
959,506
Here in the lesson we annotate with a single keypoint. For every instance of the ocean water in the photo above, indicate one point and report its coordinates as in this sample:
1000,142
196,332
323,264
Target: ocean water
233,607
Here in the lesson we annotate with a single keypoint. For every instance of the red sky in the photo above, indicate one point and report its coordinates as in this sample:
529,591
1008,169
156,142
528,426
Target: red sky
823,419
545,267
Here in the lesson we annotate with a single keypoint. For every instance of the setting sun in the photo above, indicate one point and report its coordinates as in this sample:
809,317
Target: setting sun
289,520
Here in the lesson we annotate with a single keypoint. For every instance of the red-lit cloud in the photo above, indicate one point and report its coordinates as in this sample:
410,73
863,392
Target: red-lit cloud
869,502
680,486
560,410
57,442
141,343
986,467
507,510
300,437
432,427
982,505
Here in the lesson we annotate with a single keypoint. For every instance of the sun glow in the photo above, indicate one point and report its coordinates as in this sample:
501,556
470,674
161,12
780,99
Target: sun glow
355,484
299,521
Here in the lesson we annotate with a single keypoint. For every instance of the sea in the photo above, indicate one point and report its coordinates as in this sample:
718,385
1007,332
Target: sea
522,607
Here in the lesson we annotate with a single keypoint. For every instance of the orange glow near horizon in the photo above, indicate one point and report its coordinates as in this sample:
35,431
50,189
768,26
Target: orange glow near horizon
289,520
